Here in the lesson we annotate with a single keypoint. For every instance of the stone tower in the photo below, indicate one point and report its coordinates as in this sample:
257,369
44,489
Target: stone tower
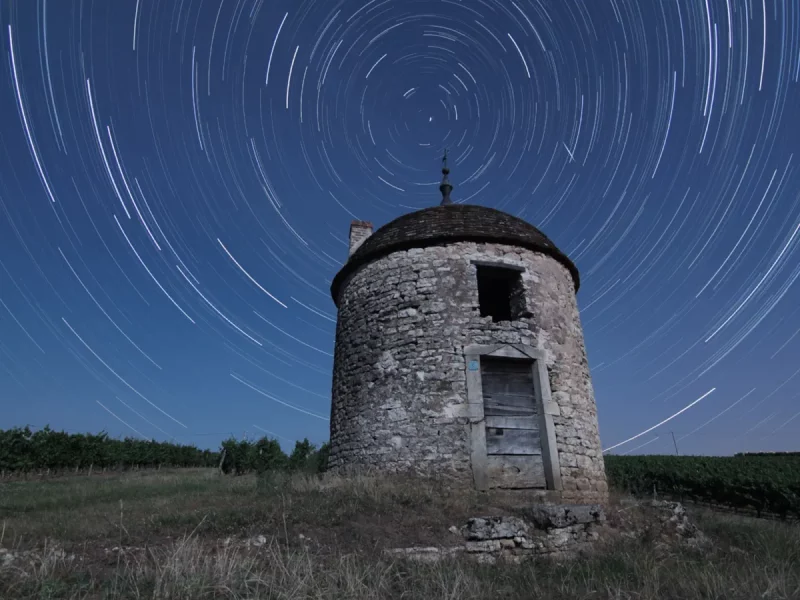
460,353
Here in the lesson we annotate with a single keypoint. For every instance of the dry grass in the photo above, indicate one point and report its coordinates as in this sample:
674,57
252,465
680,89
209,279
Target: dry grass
173,527
165,505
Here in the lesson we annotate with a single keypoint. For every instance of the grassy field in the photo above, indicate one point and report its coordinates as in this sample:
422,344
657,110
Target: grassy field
194,534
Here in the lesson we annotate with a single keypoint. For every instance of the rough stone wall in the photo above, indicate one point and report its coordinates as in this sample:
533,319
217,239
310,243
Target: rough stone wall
399,382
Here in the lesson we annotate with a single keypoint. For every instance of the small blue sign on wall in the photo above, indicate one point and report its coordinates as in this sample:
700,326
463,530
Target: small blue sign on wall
473,365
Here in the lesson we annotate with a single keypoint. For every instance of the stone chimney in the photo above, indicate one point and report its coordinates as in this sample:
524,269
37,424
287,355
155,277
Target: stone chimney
359,231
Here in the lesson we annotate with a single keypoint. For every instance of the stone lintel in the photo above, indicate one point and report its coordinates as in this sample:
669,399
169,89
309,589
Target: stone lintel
498,263
505,350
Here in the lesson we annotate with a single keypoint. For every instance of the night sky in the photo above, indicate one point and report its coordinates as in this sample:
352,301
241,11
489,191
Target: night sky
177,180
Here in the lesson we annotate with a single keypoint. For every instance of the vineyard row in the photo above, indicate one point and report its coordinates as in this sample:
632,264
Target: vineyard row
760,482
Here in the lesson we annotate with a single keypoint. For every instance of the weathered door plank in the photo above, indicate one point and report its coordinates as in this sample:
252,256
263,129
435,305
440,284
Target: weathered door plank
512,422
500,407
513,445
512,441
515,472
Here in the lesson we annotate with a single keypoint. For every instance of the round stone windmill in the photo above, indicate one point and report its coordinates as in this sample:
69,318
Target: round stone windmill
460,354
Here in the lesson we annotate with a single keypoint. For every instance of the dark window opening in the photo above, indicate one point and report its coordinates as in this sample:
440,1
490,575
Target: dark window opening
501,294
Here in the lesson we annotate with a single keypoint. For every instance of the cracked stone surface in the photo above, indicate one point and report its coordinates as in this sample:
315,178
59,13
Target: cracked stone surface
561,532
513,539
562,515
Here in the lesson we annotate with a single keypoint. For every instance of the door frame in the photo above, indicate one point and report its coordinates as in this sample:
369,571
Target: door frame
547,409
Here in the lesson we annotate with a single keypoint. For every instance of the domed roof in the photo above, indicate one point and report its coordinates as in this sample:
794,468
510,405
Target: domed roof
451,223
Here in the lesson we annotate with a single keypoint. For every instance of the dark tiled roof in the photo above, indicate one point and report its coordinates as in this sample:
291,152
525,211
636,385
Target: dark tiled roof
440,225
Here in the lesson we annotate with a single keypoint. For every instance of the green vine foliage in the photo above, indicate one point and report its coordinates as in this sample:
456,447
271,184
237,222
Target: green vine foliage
768,482
23,451
761,482
783,454
265,455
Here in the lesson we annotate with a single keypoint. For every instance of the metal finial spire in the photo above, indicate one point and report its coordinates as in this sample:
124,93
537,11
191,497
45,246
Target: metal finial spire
445,187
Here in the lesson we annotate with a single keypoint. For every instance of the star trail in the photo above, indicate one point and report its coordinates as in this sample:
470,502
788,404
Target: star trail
177,180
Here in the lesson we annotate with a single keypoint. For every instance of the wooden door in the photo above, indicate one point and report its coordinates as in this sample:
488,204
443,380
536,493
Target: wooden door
513,444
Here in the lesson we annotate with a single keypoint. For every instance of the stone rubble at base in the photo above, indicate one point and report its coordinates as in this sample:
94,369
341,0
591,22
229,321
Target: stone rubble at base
559,532
553,531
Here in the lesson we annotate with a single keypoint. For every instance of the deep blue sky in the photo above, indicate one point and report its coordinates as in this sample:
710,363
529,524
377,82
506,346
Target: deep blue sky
177,179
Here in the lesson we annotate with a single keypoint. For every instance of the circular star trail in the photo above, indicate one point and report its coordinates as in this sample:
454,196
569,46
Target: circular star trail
177,181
